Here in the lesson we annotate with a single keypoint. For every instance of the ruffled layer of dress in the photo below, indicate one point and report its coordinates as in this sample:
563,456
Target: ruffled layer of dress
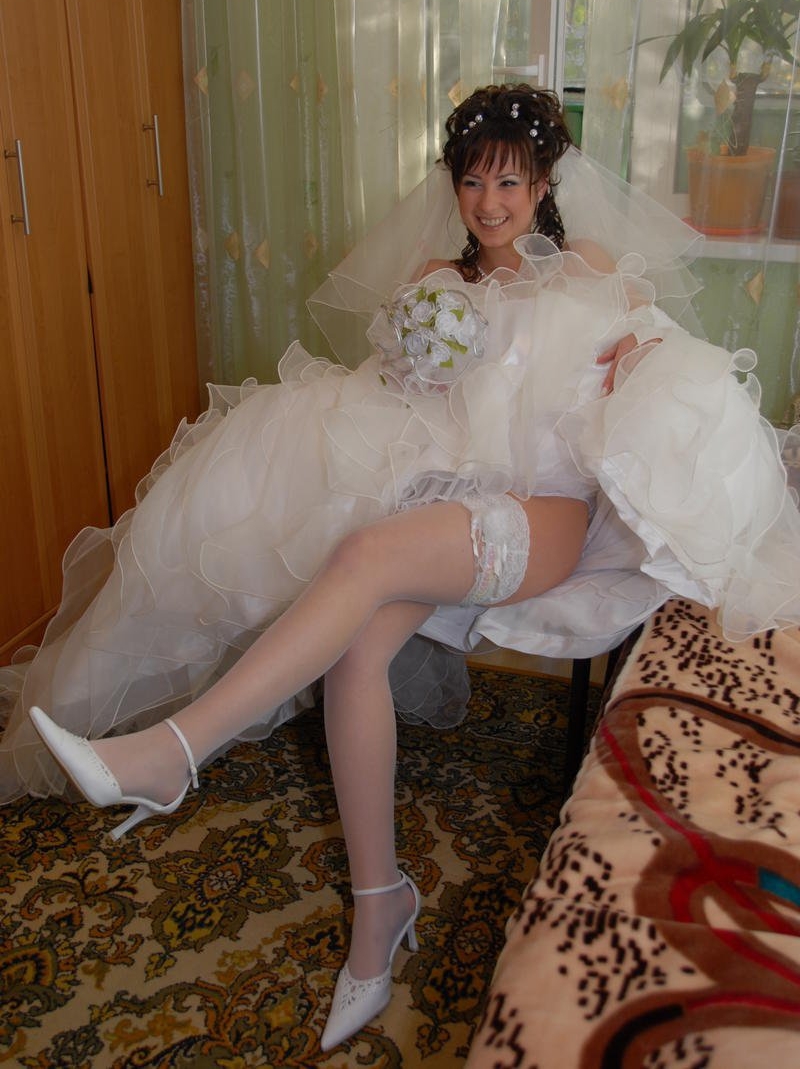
683,478
694,496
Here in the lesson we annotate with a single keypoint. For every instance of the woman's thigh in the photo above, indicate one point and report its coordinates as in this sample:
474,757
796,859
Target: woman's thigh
426,554
557,528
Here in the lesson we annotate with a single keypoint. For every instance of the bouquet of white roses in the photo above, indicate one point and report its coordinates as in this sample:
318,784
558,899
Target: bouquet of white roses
434,336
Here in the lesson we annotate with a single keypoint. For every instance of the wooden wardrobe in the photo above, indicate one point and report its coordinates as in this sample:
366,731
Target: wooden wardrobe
97,334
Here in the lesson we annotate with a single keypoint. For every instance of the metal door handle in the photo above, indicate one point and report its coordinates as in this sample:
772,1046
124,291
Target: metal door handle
159,179
17,155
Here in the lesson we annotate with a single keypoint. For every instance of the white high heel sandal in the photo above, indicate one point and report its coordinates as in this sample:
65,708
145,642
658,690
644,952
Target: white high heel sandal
357,1001
95,779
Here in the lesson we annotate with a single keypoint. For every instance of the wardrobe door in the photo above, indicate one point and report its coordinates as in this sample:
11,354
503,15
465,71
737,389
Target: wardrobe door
174,297
142,283
52,478
22,600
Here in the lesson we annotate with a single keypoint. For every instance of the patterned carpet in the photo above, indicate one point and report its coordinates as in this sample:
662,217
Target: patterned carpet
212,939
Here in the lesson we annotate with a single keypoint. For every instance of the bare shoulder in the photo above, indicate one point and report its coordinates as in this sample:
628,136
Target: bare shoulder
592,254
430,267
599,260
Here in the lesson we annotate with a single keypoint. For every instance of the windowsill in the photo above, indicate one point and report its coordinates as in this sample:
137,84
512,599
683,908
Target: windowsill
752,247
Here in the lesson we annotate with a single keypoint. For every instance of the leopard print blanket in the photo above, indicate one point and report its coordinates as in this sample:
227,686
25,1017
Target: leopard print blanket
663,927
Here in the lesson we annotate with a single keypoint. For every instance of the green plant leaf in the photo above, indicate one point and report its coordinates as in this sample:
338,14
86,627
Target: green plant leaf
672,54
771,24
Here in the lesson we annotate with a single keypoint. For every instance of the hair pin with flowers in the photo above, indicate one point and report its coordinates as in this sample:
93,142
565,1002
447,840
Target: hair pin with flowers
472,123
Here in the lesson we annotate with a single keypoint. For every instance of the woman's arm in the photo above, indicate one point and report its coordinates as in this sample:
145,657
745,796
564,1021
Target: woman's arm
592,254
598,259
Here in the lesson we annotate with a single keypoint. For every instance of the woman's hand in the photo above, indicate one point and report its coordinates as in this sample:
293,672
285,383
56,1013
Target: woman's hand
614,354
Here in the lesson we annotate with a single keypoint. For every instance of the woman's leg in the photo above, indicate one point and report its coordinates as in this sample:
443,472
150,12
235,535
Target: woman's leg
422,555
360,727
361,735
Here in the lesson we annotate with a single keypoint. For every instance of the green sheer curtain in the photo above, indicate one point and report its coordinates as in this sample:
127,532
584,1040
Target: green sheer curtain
306,121
263,128
640,126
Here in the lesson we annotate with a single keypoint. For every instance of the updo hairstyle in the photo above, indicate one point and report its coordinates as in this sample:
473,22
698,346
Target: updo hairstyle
502,123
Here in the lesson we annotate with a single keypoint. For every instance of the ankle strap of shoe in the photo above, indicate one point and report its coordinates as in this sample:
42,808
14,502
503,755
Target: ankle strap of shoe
381,890
186,749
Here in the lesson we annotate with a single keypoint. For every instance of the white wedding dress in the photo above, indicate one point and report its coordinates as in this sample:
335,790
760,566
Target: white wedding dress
685,482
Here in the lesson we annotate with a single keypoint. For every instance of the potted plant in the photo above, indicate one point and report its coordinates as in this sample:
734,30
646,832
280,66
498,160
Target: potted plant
787,208
728,175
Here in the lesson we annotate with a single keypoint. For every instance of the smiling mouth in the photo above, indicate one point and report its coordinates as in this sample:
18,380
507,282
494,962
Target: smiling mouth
492,224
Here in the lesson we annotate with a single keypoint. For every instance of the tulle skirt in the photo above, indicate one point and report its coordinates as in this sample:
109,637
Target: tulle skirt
687,493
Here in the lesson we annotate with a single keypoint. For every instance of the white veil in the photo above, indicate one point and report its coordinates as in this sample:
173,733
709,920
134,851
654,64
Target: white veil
594,204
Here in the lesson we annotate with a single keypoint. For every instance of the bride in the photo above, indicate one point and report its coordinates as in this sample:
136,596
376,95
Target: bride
534,454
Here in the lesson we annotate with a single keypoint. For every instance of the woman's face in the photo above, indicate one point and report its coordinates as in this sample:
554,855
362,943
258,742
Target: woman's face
498,202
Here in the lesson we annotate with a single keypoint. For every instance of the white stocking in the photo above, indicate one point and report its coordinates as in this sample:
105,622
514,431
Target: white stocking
422,555
360,729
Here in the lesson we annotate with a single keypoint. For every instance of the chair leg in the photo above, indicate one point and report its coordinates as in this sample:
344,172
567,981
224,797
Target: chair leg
577,709
578,705
613,661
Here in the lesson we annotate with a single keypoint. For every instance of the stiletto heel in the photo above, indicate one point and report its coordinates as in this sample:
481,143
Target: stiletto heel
357,1001
95,780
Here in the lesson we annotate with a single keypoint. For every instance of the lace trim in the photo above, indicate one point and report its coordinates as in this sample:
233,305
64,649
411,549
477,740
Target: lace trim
350,992
501,546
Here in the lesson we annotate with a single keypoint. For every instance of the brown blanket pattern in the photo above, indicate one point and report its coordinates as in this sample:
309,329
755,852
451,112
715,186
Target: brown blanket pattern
663,927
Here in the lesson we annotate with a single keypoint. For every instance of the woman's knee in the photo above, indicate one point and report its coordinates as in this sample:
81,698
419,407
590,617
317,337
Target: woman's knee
365,659
379,642
359,553
359,660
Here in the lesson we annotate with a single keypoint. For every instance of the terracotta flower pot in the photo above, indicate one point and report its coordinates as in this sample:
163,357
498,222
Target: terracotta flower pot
787,212
726,193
